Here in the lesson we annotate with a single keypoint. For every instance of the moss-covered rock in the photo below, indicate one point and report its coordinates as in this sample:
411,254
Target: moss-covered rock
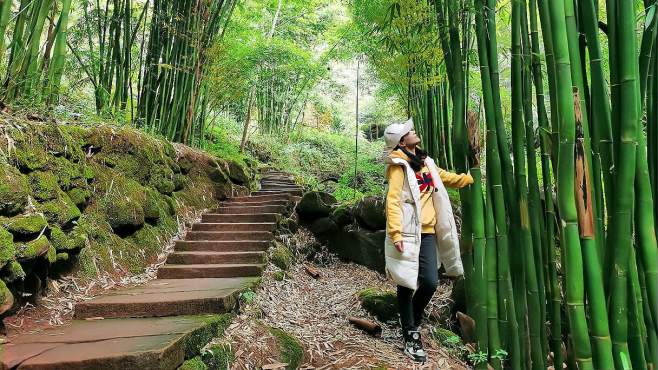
33,249
291,349
180,181
237,172
61,257
163,181
343,215
68,173
51,254
6,298
124,215
7,249
13,191
215,325
382,305
153,205
219,356
29,158
26,225
60,211
282,257
63,241
44,186
314,205
195,363
15,272
370,213
80,197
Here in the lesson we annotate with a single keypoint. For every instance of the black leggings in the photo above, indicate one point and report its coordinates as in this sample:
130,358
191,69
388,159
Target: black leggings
412,304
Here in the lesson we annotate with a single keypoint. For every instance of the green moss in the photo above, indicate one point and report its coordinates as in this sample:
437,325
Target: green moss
382,305
88,173
7,249
279,275
13,191
14,272
193,364
162,180
124,215
153,205
80,197
33,249
62,241
60,211
219,357
61,257
214,327
292,351
180,181
27,225
282,257
51,255
67,173
30,158
44,186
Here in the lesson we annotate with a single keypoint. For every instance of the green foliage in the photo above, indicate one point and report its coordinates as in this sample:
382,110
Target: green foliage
248,296
451,341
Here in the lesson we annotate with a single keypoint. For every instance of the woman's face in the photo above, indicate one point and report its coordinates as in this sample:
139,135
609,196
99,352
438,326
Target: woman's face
410,139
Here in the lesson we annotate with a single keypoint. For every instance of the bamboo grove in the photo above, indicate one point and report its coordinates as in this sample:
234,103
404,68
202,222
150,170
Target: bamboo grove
559,229
145,60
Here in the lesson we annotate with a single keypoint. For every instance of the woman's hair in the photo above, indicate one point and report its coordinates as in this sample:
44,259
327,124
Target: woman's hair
417,160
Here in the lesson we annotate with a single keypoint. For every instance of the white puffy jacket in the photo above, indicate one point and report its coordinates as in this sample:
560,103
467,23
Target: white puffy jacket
403,267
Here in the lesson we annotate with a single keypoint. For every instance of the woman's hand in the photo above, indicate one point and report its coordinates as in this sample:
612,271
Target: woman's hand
399,246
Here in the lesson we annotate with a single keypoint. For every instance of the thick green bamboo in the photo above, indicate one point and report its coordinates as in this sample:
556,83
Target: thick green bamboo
526,248
645,231
572,254
491,260
636,328
479,278
620,234
508,325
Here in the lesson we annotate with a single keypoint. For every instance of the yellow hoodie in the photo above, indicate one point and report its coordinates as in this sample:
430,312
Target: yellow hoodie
395,177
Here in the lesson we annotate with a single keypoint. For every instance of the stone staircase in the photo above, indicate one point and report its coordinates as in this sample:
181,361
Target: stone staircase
159,324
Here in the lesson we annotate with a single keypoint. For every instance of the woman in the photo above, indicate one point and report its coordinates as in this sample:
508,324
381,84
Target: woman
421,232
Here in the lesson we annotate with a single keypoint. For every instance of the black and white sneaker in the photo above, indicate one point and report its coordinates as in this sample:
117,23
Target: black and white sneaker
413,347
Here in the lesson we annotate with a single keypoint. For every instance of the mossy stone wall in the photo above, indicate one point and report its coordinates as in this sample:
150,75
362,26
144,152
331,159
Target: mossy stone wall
96,200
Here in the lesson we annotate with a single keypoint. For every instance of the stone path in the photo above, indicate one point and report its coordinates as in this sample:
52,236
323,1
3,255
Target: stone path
160,324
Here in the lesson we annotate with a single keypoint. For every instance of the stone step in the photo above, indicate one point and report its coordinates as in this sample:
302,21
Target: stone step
278,192
222,246
274,181
145,343
255,198
213,258
250,209
239,218
234,226
209,271
229,235
167,298
247,203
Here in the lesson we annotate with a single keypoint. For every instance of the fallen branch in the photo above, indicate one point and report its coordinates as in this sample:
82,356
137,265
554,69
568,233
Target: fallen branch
368,326
315,273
